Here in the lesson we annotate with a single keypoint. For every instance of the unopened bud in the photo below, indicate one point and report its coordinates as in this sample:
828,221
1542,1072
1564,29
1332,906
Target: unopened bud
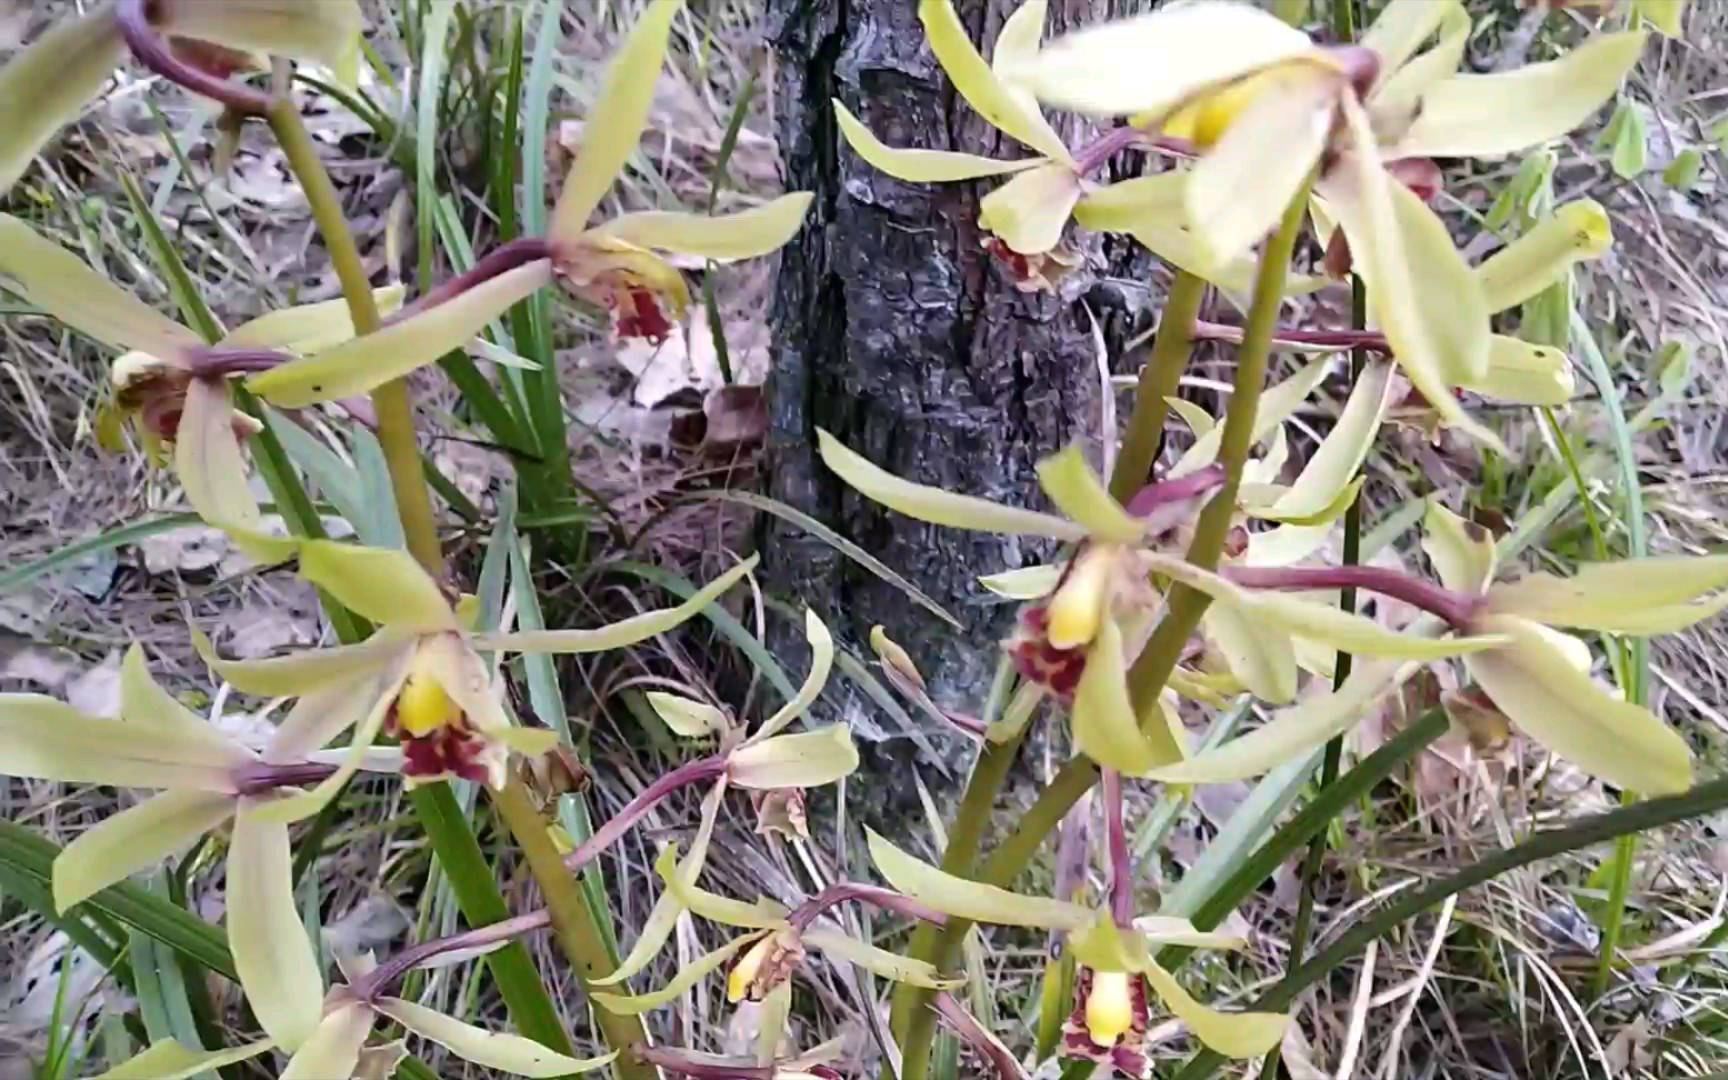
894,657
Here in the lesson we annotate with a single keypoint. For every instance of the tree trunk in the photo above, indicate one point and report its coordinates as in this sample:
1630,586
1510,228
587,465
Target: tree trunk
896,331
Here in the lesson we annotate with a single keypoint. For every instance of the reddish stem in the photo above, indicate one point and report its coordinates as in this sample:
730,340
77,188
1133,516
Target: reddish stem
1458,609
987,1046
1116,840
133,19
263,777
674,1061
694,772
1372,340
1154,497
215,361
499,260
382,977
887,899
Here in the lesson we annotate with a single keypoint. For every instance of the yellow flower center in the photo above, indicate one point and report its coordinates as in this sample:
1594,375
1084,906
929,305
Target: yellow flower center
1204,122
423,707
1109,1007
1078,606
744,971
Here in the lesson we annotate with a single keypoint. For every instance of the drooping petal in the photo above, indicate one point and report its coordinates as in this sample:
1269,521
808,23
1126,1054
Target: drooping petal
1126,205
821,663
934,504
1152,62
621,633
365,363
1238,189
44,87
326,32
916,165
308,328
306,670
1261,656
688,975
1030,211
143,702
764,914
170,1060
1613,596
272,953
1235,1035
208,458
615,120
1462,551
808,759
970,899
1525,374
1537,687
1026,583
499,1050
840,946
1010,112
744,235
1103,721
1292,732
686,716
58,282
334,1048
1341,454
1579,230
134,840
385,585
45,739
1082,497
1482,115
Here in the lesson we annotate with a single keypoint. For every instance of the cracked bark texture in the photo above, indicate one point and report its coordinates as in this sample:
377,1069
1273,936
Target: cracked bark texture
896,331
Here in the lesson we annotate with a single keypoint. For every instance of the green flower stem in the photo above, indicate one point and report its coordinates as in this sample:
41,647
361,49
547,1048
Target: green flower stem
1158,382
448,830
1586,832
573,923
1152,670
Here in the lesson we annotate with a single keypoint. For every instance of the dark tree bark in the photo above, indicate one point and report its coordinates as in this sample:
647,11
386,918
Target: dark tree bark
895,330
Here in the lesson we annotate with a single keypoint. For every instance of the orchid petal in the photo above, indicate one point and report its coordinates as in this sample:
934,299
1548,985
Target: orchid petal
143,702
1169,930
1664,15
917,165
764,914
1483,115
1238,189
46,86
307,328
333,1049
743,235
326,32
1125,205
621,633
46,739
1286,545
1081,496
1153,62
272,954
615,120
1030,211
1397,98
1176,243
58,282
1400,29
1026,583
1525,374
1010,112
1341,454
1612,596
1579,230
385,585
134,840
493,1049
970,899
1292,732
1261,656
1534,684
305,670
821,663
1277,404
208,459
663,918
365,363
467,679
840,946
169,1060
808,759
688,717
1103,721
1235,1035
936,505
320,715
688,975
1462,551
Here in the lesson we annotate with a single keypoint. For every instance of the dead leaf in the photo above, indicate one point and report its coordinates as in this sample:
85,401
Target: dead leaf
737,417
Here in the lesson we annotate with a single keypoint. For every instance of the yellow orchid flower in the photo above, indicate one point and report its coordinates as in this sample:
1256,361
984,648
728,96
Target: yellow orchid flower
432,690
172,384
45,86
1537,676
1112,1013
205,778
335,1045
1025,216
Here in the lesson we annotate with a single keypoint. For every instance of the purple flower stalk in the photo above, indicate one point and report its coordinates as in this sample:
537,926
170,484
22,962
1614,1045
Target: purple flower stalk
1458,609
133,18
